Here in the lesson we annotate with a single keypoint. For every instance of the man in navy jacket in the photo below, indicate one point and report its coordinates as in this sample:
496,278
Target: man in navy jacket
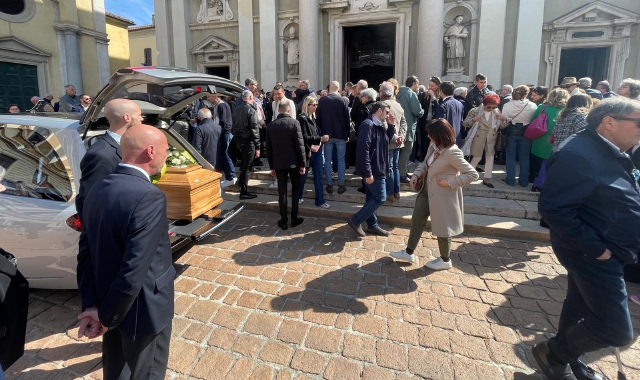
104,155
591,202
451,109
206,136
125,269
333,120
372,163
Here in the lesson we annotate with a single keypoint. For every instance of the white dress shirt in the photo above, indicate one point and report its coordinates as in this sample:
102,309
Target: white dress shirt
137,168
115,136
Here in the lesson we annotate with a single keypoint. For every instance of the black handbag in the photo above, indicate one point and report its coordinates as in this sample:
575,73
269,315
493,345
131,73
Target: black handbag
14,303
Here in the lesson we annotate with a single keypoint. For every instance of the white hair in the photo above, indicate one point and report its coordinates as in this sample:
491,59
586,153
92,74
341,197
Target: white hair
246,94
459,91
369,93
204,113
362,84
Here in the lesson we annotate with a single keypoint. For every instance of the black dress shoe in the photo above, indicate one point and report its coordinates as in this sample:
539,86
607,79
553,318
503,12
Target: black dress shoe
283,224
479,169
258,163
583,372
535,189
296,221
248,196
378,231
552,370
357,228
329,189
405,179
500,162
342,189
488,184
543,224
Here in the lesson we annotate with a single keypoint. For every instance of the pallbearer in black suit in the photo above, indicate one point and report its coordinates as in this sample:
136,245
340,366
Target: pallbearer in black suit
125,268
104,155
285,152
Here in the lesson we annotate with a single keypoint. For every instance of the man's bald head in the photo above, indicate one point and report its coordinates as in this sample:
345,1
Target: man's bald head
122,114
334,86
146,147
35,99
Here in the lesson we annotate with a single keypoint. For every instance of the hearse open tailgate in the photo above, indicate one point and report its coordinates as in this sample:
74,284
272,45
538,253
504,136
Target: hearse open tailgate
204,225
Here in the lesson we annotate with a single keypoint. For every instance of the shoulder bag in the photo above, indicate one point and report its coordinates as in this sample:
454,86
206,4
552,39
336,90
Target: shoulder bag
420,179
538,127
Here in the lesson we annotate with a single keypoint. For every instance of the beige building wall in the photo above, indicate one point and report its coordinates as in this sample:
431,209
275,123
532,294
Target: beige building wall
140,38
119,50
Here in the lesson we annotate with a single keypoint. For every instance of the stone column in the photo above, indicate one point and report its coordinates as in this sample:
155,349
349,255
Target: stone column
180,15
529,43
430,40
268,45
163,34
491,40
310,53
69,51
245,40
104,71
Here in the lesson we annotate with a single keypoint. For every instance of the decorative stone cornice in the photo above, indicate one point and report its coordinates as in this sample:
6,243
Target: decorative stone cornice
214,25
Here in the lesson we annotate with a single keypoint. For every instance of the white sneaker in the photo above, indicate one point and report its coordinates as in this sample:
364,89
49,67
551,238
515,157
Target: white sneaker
274,185
325,205
439,264
226,183
310,172
402,256
300,201
334,174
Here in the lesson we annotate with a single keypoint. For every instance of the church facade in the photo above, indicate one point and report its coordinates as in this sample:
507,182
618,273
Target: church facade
510,41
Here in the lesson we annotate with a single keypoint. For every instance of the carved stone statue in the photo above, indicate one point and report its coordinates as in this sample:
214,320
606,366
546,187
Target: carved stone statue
292,47
454,37
214,10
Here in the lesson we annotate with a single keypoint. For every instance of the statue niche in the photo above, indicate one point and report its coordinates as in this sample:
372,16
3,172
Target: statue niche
454,40
214,10
292,48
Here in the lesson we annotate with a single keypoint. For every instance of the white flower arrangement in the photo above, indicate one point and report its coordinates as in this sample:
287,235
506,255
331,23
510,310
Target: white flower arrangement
177,159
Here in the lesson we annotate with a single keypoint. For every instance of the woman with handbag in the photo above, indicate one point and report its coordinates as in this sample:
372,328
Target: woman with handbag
313,154
483,124
518,112
439,180
541,147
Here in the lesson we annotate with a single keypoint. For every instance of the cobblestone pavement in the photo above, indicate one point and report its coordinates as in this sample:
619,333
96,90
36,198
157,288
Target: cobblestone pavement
313,302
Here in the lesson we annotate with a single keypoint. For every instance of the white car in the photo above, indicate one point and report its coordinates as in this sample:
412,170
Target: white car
41,155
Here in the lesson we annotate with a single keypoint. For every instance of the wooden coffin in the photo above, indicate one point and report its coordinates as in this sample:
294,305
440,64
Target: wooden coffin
190,191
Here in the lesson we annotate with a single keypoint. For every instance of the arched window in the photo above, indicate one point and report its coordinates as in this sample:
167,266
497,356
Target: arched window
12,7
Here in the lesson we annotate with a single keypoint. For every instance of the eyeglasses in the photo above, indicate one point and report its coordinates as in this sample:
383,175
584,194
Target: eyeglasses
636,120
314,104
489,108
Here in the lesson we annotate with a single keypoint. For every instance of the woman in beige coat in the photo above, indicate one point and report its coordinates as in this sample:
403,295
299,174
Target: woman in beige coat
484,138
440,194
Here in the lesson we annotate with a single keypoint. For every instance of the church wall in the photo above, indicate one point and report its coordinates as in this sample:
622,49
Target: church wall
326,46
256,60
509,47
287,5
413,43
555,9
632,64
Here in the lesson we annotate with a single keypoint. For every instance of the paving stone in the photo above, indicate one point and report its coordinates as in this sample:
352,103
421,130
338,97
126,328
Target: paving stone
308,361
229,317
472,327
247,345
505,353
359,347
375,373
277,353
343,369
370,325
391,355
324,339
474,348
213,365
202,310
402,332
430,364
468,369
182,356
262,324
241,369
321,315
222,338
435,338
293,331
198,332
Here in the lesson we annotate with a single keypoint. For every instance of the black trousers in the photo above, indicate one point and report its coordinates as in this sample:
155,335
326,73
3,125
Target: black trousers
143,358
263,146
248,153
283,175
595,313
535,163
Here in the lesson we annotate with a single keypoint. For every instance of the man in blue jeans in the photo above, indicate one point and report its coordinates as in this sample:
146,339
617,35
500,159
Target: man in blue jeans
591,202
333,120
372,163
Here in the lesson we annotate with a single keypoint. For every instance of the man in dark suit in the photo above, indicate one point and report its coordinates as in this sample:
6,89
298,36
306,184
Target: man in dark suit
125,268
450,109
333,120
206,136
590,201
104,155
246,134
287,161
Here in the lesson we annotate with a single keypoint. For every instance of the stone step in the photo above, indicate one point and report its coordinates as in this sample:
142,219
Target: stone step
522,229
472,204
475,189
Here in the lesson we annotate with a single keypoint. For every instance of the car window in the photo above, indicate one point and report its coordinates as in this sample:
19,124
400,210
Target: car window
33,164
162,96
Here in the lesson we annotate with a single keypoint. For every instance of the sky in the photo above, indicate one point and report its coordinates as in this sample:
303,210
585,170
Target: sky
138,11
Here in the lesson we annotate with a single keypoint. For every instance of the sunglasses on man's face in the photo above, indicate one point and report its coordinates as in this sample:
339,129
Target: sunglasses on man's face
635,120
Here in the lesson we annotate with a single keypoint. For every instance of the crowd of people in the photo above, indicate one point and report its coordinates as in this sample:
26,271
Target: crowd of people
68,102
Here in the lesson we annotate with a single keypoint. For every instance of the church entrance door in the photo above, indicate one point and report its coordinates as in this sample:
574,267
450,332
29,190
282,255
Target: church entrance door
370,51
589,62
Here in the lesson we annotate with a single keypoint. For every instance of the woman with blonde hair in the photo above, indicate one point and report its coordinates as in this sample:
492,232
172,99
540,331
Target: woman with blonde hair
518,113
313,152
396,86
484,136
444,172
541,148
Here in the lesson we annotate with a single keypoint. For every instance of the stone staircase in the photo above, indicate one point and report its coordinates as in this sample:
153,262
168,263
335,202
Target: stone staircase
504,211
